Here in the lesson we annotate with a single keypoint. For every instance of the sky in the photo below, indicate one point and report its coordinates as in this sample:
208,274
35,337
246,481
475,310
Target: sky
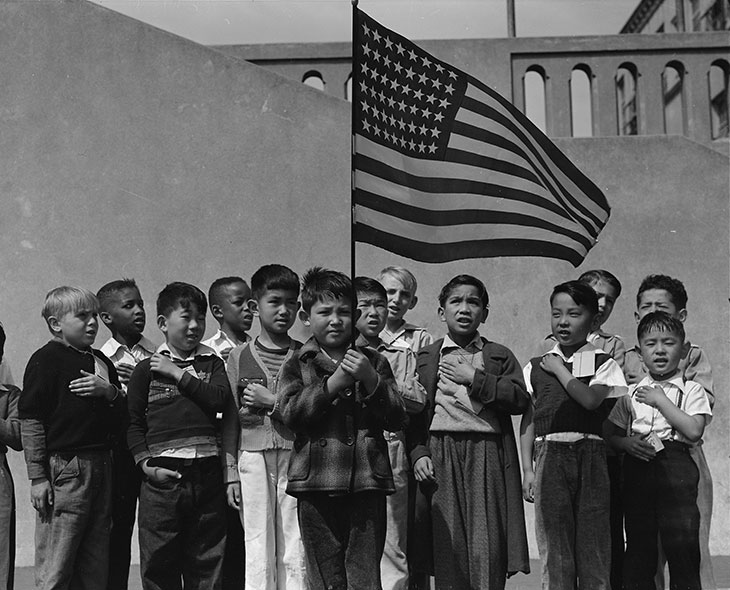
230,22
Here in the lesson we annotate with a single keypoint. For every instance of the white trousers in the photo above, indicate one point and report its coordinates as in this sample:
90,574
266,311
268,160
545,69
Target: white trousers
394,564
274,551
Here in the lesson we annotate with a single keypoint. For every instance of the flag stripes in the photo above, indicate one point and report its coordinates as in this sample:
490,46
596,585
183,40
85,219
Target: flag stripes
444,168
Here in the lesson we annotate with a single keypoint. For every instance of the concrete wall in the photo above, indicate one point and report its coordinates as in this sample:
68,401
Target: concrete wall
126,151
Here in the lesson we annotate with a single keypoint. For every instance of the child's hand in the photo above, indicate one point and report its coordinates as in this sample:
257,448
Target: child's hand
233,495
159,474
651,396
339,380
457,369
423,469
447,386
637,447
551,363
528,486
91,385
162,364
258,396
41,497
124,371
357,365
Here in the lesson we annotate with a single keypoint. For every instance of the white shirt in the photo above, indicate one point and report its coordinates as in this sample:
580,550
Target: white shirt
119,353
609,373
222,344
407,336
641,418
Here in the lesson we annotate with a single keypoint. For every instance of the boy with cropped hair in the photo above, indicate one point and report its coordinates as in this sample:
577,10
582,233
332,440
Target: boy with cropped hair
229,303
70,408
664,293
257,444
655,425
400,286
122,310
337,401
372,305
173,398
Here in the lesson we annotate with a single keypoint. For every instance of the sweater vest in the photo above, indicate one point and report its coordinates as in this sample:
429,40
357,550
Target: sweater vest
556,411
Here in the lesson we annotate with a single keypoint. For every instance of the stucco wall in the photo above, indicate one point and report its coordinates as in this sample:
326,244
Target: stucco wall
126,151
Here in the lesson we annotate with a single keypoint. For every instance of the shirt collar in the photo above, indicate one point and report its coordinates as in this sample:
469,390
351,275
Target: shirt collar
675,380
449,344
201,350
112,346
585,348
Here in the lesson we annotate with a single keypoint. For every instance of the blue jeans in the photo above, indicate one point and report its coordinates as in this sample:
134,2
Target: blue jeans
72,547
182,528
572,514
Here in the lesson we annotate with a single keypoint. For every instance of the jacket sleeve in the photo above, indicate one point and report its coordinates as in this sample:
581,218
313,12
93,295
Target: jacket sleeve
231,428
137,395
211,396
384,401
9,424
500,384
699,370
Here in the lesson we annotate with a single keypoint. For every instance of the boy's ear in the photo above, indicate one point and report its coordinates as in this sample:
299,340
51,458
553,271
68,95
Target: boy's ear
162,323
54,324
637,317
685,348
485,316
682,315
253,307
440,313
106,318
304,317
414,300
216,310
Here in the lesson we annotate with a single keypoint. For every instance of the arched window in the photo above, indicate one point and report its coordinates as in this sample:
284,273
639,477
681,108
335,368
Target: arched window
581,106
673,98
348,88
626,100
314,79
534,89
719,105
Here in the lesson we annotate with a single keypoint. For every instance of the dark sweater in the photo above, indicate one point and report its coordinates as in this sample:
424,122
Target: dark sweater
166,415
71,423
556,411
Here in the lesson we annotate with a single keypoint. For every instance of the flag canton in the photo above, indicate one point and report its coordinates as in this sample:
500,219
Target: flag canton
404,98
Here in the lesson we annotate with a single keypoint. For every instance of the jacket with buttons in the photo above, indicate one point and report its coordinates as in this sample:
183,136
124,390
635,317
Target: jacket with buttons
339,446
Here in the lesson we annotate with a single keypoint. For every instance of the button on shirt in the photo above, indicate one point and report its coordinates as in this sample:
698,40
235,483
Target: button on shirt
641,418
455,411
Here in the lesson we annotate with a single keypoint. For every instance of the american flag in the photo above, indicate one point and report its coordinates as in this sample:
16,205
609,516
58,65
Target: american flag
446,169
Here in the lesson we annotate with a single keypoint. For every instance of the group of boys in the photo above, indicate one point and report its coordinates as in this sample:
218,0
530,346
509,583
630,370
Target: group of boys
314,437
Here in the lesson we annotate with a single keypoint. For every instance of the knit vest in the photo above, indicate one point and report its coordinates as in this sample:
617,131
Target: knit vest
556,411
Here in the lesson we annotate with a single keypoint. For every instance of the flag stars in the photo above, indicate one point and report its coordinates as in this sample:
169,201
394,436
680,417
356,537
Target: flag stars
412,127
418,94
401,105
410,73
438,117
366,29
384,78
376,36
421,147
388,43
399,49
402,124
366,49
424,130
391,102
437,84
365,106
412,55
414,109
376,55
452,74
430,99
406,89
423,79
365,125
386,61
426,113
426,62
376,130
449,89
435,132
394,85
439,68
397,67
363,86
444,104
432,148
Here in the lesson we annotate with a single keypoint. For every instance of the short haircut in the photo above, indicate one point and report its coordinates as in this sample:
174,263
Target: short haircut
591,277
674,287
182,295
660,321
403,275
63,300
106,293
459,280
322,284
579,292
368,285
273,276
215,293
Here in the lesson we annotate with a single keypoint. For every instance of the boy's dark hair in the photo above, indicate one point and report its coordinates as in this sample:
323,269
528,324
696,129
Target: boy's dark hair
105,294
660,321
579,292
368,285
2,342
215,293
459,280
182,295
674,287
273,276
591,277
321,284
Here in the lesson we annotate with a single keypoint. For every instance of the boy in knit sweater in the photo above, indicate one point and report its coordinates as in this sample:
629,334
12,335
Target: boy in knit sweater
173,400
70,408
256,444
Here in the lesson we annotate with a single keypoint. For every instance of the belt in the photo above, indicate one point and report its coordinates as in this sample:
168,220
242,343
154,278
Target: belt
567,437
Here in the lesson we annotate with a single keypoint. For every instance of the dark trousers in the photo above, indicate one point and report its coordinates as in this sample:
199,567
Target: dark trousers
660,498
343,539
127,478
182,528
234,560
616,518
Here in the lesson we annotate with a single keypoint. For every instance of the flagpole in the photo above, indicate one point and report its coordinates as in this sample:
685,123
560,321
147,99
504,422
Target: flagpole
354,86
